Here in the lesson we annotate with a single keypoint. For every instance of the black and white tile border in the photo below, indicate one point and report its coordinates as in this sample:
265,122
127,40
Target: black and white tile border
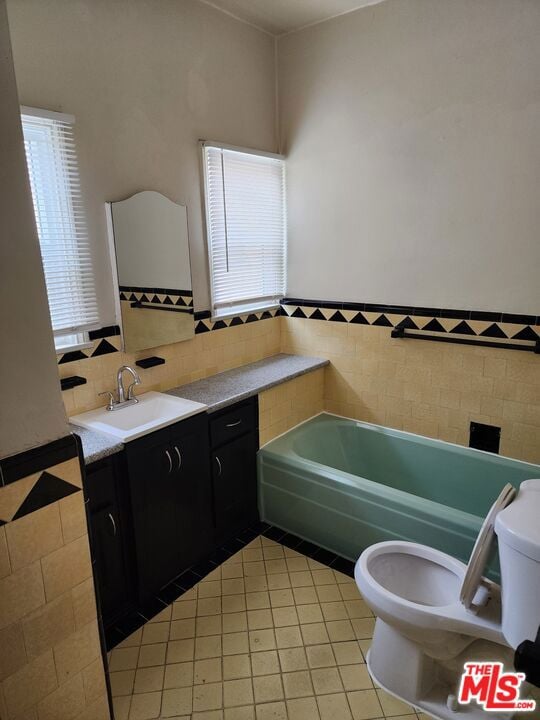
461,323
157,296
104,341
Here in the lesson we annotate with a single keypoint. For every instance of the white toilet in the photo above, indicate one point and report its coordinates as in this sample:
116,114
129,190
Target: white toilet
434,613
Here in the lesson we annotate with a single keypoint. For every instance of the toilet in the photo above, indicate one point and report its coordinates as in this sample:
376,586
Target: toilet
434,613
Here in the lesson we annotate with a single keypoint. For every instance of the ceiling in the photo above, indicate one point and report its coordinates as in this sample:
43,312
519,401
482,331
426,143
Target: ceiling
282,16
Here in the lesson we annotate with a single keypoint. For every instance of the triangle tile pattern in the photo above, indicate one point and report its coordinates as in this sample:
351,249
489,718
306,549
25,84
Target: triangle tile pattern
434,326
463,328
527,334
104,348
47,489
267,633
493,331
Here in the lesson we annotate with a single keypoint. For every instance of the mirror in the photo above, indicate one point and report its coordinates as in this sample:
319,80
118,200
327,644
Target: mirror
150,235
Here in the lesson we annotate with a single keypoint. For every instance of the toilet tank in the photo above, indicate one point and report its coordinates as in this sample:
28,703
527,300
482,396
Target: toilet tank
518,533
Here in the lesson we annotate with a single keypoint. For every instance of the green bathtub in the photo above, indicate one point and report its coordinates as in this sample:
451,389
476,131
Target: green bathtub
345,484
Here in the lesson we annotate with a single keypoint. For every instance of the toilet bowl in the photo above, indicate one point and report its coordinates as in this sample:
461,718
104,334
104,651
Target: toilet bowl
434,612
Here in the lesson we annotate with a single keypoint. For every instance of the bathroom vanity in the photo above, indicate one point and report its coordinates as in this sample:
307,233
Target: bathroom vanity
163,502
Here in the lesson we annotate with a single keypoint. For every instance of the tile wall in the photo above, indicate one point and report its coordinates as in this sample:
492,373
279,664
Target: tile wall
429,388
51,665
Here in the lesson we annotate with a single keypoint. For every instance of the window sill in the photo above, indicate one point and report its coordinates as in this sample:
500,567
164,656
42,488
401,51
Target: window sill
215,317
72,348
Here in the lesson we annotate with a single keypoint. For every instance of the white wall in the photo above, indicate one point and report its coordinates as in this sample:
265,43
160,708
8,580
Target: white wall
146,79
413,134
31,408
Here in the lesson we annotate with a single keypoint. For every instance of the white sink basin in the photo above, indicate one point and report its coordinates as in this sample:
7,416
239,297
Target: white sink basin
153,411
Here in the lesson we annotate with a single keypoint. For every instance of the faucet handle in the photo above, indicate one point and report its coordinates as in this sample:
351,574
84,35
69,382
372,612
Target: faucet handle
112,401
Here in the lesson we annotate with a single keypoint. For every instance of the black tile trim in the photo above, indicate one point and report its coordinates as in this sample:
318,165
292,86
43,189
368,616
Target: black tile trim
139,616
420,311
32,461
155,290
104,332
70,382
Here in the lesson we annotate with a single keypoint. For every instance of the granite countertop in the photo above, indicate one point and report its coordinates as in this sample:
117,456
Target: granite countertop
231,386
96,445
216,392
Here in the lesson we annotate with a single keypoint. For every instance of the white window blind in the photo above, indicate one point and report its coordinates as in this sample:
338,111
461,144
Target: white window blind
61,223
246,225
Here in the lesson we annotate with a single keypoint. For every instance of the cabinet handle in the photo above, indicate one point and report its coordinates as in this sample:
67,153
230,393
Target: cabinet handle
112,523
233,424
219,465
169,458
179,455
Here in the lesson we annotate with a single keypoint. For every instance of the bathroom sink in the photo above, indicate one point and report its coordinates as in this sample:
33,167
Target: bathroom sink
153,411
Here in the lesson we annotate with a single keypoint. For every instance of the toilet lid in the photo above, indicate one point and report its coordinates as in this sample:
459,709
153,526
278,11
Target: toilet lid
482,548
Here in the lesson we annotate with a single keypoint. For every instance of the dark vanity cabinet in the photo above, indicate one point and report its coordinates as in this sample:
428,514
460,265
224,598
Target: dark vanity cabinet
234,440
171,500
110,528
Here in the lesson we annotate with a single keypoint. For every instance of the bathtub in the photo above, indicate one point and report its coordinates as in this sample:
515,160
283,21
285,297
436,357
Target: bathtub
345,484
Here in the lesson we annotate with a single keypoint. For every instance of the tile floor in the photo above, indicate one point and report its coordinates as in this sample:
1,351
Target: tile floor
268,635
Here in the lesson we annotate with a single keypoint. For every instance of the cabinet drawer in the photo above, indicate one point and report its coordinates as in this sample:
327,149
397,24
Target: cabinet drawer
233,422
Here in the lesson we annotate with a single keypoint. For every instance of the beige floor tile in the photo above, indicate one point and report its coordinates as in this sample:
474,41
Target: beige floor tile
296,564
124,658
178,675
150,655
207,671
326,680
180,650
252,554
355,677
208,696
305,595
235,643
132,640
155,633
237,693
236,667
233,603
297,684
287,637
233,586
182,629
208,647
208,606
256,583
240,713
392,706
279,581
329,593
275,566
363,628
273,552
350,591
334,611
257,600
149,680
301,579
348,653
268,688
320,656
181,610
262,640
271,711
364,705
303,709
190,594
309,613
265,663
254,568
234,622
323,577
204,626
214,575
292,659
209,589
281,598
357,608
121,707
315,634
340,630
204,715
145,706
341,578
122,682
259,619
334,706
232,571
176,702
285,616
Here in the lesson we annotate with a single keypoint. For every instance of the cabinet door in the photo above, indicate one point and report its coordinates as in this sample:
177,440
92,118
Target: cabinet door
191,454
234,476
109,562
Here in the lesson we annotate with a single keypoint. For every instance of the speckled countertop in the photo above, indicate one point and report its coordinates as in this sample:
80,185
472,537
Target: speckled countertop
228,387
215,392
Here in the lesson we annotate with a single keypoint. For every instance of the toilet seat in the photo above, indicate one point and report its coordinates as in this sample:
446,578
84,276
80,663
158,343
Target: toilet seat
420,587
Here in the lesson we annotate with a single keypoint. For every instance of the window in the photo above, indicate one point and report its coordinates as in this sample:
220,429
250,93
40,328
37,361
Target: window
246,227
61,224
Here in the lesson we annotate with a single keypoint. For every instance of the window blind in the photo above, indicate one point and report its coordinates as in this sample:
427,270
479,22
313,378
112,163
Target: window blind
246,226
60,220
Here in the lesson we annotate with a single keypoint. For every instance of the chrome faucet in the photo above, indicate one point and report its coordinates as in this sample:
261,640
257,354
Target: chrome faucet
123,398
